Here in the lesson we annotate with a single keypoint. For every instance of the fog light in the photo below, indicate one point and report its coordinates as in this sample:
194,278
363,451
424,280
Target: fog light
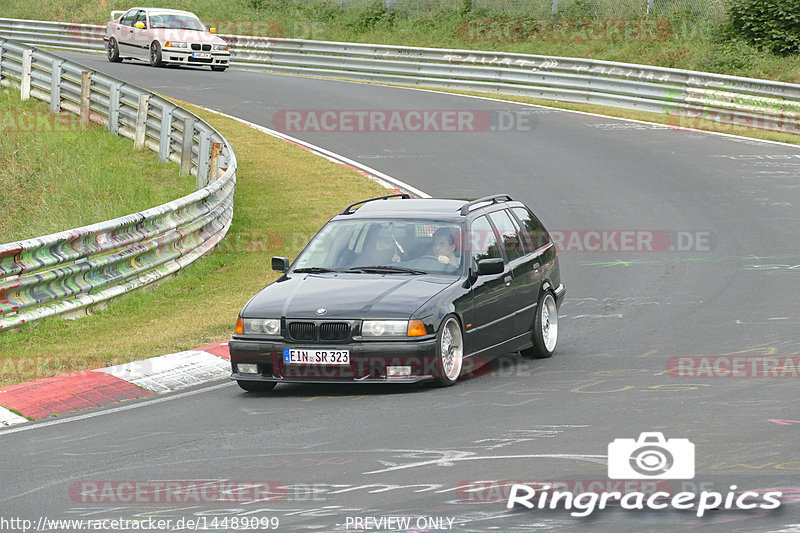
398,371
247,368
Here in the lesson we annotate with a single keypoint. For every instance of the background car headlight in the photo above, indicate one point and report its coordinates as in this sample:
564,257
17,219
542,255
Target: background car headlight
172,44
219,47
259,326
384,328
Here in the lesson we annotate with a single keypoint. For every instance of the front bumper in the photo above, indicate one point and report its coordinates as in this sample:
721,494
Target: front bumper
182,56
368,362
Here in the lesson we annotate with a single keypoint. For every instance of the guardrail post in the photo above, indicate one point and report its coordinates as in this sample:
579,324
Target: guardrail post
86,90
2,42
25,82
213,165
113,108
55,87
203,156
165,139
555,7
186,147
649,7
141,121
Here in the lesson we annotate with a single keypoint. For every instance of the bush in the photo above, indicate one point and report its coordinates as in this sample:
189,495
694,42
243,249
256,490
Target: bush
767,24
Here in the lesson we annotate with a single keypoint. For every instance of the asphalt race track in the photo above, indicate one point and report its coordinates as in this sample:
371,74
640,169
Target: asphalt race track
724,284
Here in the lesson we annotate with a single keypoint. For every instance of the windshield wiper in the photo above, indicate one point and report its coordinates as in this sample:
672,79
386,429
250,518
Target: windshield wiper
386,269
314,270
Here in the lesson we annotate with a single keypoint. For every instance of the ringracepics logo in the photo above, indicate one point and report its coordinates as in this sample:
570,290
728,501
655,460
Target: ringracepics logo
650,457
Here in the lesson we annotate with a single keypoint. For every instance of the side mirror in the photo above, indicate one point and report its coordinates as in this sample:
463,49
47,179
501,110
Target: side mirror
139,25
490,266
281,264
212,30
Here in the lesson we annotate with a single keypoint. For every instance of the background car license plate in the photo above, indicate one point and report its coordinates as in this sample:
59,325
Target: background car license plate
303,356
198,55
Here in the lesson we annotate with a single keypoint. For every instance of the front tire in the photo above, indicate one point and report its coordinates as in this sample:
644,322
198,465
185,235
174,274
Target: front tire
545,328
256,386
155,54
112,51
449,352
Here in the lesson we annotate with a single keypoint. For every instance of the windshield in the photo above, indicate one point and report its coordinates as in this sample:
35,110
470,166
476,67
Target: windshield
176,22
395,246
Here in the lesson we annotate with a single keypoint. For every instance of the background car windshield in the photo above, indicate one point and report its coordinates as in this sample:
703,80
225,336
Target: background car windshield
429,245
176,22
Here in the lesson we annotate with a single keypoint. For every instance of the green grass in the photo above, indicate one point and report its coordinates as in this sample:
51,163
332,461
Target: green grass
691,44
283,195
56,174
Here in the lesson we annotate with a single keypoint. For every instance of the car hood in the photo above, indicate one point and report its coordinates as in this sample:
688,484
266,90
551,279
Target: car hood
345,296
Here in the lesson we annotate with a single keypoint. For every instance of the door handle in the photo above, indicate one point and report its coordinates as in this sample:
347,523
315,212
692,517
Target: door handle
536,267
507,279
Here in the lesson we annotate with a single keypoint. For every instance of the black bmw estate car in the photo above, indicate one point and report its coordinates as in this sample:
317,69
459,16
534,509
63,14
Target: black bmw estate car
401,290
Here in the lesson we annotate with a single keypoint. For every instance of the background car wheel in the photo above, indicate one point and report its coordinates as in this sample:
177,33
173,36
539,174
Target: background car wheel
449,352
257,386
155,54
545,328
113,51
219,69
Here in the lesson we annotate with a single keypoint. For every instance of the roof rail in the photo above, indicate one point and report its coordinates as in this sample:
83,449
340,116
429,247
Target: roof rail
495,198
349,209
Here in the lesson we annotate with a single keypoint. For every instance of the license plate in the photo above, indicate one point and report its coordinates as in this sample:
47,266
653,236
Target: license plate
198,55
303,356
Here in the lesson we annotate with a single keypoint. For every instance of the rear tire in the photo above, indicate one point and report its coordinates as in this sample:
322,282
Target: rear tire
449,352
112,51
256,386
545,329
155,55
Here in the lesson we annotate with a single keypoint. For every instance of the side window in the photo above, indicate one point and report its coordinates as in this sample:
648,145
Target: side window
128,18
142,17
537,236
509,232
482,241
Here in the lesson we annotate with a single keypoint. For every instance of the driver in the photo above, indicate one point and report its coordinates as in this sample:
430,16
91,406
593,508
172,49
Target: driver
444,245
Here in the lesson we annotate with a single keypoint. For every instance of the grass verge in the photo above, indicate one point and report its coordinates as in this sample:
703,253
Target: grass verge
283,195
56,174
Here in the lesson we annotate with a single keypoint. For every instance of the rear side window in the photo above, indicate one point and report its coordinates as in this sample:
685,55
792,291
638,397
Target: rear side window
536,234
482,241
128,18
509,232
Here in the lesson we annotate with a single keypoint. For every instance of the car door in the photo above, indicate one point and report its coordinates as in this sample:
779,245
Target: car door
525,268
491,317
124,33
541,250
141,37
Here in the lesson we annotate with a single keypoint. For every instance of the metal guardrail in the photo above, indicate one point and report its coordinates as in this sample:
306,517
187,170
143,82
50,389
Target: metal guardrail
741,101
78,268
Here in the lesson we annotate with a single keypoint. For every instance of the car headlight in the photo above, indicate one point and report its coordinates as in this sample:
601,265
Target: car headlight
384,328
172,44
219,46
261,326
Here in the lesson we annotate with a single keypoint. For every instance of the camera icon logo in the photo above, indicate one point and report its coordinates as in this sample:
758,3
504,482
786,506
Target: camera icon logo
651,457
